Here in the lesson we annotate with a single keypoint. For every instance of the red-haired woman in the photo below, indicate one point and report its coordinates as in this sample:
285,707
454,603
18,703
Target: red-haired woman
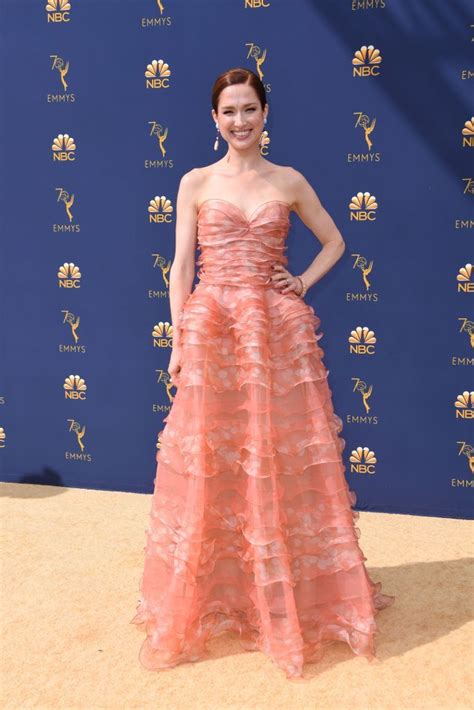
252,527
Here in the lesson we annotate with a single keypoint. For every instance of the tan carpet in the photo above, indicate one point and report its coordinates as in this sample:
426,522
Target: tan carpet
71,563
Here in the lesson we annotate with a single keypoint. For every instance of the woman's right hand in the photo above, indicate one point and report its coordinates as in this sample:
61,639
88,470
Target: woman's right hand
174,366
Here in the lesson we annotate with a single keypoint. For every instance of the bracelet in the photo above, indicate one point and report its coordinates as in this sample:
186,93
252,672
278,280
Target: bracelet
304,287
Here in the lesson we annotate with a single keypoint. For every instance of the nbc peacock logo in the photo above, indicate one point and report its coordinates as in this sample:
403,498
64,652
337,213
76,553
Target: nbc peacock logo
162,335
362,460
363,207
69,276
464,279
362,341
64,147
157,75
74,387
464,405
254,4
468,134
160,210
58,11
3,438
366,62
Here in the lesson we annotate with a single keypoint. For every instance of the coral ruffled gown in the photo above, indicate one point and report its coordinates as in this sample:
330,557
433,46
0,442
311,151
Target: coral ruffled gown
251,525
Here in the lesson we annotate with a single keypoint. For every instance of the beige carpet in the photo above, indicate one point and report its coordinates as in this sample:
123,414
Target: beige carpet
71,563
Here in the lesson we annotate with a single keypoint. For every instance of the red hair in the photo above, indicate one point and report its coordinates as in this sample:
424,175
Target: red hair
238,75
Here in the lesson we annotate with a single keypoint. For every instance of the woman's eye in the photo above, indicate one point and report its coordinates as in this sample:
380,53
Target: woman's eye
227,112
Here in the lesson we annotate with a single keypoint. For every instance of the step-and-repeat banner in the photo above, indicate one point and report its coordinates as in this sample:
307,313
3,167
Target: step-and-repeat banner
106,103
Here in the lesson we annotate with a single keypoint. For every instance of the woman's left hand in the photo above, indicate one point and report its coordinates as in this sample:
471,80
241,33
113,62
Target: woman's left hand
285,281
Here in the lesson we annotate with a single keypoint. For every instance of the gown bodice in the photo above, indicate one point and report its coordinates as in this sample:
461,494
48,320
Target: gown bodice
240,250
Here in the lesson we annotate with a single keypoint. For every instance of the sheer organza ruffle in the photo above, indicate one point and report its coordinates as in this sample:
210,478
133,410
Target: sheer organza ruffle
252,527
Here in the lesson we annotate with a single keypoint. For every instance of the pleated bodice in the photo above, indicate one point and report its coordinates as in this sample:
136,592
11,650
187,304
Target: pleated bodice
240,250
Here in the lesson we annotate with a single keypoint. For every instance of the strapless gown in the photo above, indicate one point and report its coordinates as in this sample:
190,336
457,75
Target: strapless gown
251,528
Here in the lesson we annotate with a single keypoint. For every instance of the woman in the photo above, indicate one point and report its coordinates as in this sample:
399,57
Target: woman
251,525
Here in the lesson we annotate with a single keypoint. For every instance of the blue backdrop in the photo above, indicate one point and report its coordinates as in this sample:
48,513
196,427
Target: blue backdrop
370,99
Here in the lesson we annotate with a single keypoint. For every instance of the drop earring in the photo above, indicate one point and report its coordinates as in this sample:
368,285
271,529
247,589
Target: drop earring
216,142
264,134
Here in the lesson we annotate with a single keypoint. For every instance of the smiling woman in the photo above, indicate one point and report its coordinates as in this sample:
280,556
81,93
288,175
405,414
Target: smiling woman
252,527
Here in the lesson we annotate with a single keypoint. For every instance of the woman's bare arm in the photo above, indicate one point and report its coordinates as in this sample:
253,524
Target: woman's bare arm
311,212
182,270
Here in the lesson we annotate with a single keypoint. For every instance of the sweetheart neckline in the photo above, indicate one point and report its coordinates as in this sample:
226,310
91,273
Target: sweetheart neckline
239,209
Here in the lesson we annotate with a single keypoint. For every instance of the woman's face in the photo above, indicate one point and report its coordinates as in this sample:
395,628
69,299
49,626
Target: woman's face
240,116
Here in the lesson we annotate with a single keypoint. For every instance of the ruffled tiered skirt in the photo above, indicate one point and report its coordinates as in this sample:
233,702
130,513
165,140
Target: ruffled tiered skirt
251,526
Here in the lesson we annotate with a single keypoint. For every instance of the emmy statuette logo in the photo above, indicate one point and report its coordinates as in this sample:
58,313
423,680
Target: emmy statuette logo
164,264
468,451
264,143
365,392
159,134
365,268
72,322
468,222
164,378
65,198
61,67
366,128
258,55
467,326
469,188
79,432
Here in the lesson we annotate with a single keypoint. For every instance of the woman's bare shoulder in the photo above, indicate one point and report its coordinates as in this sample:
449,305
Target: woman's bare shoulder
191,183
290,182
291,174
